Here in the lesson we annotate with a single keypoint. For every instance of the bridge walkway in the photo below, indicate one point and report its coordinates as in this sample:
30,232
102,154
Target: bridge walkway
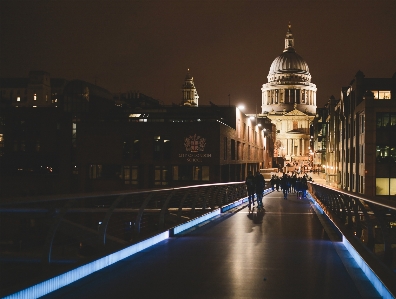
285,253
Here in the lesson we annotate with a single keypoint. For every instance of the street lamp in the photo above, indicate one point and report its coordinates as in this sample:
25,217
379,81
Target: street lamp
241,107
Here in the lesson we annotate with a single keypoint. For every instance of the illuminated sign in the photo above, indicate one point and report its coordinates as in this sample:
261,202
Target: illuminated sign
194,144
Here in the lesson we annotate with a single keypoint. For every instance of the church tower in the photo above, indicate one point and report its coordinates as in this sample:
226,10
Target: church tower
190,94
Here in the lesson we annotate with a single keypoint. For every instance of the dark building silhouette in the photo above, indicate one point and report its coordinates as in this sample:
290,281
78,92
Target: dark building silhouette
73,136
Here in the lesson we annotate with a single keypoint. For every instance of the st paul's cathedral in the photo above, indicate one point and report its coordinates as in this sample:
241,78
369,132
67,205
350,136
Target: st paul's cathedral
289,100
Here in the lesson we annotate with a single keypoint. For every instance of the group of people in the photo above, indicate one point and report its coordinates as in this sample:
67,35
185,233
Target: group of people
255,184
291,183
288,183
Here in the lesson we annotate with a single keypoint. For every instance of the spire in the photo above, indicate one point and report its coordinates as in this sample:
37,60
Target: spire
289,40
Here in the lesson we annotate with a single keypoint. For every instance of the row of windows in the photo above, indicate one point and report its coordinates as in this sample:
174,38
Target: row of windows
386,120
162,175
161,149
37,167
381,94
385,154
237,151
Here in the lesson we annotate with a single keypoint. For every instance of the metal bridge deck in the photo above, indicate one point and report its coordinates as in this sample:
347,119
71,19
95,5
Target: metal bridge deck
286,254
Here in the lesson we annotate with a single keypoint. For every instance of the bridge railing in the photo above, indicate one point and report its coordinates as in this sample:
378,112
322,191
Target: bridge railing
41,237
366,226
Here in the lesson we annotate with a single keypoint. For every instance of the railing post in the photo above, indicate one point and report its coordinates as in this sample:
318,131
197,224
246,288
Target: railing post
106,219
386,236
180,210
164,209
140,213
58,217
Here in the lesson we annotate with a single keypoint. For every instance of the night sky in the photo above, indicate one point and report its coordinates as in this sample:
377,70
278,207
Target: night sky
228,46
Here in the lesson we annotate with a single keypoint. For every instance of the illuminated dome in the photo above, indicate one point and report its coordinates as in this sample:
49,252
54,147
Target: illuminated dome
289,63
289,84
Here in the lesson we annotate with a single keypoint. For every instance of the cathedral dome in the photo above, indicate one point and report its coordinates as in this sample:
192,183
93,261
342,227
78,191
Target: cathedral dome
288,62
289,84
289,67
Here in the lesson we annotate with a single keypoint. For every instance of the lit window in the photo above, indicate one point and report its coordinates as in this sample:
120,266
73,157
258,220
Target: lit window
205,173
131,175
35,97
381,94
95,171
1,145
18,99
385,186
161,175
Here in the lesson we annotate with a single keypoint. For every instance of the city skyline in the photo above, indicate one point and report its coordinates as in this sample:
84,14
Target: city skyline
227,45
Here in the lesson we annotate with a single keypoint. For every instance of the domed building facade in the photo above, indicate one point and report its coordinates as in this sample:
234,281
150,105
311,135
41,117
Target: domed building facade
289,83
289,100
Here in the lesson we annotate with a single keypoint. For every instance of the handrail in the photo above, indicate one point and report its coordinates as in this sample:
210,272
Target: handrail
65,231
366,225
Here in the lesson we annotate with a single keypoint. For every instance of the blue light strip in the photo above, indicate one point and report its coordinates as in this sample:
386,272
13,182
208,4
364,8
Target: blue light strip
315,203
241,201
234,204
71,276
372,277
178,229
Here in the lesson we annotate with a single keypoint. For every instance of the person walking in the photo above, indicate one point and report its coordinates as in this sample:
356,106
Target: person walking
250,186
304,186
277,182
272,181
260,185
285,185
299,188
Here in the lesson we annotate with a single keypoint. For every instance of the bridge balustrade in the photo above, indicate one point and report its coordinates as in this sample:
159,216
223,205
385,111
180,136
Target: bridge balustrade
369,226
41,237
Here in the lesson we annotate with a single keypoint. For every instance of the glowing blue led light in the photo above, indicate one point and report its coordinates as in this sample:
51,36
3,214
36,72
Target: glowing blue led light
191,223
71,276
372,277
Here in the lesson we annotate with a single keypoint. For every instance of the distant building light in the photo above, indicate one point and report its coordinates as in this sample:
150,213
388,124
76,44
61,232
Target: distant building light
134,115
18,99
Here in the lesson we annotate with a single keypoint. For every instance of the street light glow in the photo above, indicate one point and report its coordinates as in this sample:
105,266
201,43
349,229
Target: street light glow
241,107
